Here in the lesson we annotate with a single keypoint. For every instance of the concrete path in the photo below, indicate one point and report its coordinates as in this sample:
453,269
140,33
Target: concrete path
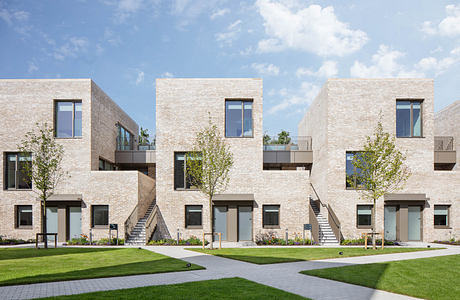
284,276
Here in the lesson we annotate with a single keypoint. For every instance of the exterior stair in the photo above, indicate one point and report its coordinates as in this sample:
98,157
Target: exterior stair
137,235
326,235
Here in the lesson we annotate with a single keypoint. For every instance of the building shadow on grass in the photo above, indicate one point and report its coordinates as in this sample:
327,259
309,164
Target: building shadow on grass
19,253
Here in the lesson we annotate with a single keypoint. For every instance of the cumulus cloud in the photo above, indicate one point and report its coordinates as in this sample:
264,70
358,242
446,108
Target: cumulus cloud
328,69
167,75
125,8
140,77
266,69
385,64
71,48
16,19
219,13
307,28
449,26
301,98
439,65
230,35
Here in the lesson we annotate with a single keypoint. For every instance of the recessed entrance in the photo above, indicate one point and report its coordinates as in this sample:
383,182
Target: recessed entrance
233,218
220,221
414,223
245,223
390,222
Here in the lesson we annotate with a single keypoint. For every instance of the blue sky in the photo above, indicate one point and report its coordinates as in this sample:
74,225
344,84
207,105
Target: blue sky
293,45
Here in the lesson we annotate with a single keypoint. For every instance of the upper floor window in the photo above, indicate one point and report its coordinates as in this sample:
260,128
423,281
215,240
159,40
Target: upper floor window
15,171
238,118
352,178
124,139
181,179
68,119
408,118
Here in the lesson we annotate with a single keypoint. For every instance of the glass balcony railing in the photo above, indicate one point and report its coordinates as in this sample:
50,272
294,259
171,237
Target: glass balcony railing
301,143
443,143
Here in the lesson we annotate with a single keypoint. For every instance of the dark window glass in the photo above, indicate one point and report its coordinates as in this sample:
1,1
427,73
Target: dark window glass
441,215
193,215
124,139
68,119
16,166
24,215
352,173
408,118
105,165
181,179
77,119
271,215
100,215
238,118
364,215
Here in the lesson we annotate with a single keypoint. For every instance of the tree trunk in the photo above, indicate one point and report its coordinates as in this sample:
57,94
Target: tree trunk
211,219
45,237
373,227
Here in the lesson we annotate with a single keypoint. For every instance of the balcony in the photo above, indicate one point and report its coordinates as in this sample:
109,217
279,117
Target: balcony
445,157
144,154
292,153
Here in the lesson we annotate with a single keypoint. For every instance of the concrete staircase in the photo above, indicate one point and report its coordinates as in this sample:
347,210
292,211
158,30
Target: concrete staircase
326,235
137,235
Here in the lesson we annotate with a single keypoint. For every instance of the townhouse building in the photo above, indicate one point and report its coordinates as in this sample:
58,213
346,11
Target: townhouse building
274,188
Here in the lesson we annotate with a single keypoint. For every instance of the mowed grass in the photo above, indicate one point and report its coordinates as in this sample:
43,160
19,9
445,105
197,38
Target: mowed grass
428,278
21,266
281,255
228,288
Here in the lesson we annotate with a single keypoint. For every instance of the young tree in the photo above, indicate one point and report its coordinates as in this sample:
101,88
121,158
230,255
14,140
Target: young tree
208,165
378,169
45,172
267,139
283,137
144,137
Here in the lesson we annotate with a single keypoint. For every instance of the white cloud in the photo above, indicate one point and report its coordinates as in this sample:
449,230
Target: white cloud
126,8
32,67
140,77
219,13
167,75
112,38
384,64
16,19
187,11
327,70
307,92
266,69
73,47
439,66
231,34
449,26
311,29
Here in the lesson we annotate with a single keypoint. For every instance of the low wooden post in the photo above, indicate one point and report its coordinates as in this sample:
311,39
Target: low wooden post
220,240
203,240
383,239
365,241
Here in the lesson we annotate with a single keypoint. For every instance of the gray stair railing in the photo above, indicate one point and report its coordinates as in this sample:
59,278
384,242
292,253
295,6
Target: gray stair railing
151,223
131,222
314,225
332,219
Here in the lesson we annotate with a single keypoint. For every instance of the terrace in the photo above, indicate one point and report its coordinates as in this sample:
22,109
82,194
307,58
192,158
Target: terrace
288,153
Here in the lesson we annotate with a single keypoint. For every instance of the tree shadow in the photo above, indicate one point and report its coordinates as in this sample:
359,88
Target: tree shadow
19,253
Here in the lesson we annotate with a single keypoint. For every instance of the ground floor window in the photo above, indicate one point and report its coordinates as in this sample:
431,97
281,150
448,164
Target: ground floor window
364,216
271,216
23,216
193,216
100,215
441,215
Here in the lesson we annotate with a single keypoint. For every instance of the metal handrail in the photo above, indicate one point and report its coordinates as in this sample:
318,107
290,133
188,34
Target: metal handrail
131,221
330,216
151,223
314,224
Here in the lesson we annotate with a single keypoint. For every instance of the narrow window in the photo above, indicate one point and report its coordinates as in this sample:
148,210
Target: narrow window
124,139
16,177
352,179
181,179
23,216
193,216
364,215
408,118
238,118
271,216
105,165
68,121
100,215
441,215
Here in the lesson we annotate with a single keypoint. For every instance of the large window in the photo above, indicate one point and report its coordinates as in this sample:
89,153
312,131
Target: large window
408,118
352,173
23,216
181,179
16,177
441,215
193,216
364,216
238,118
100,215
68,119
271,216
124,139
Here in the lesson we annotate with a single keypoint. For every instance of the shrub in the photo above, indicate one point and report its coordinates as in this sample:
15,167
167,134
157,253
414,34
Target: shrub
192,241
83,240
449,242
360,242
270,238
6,241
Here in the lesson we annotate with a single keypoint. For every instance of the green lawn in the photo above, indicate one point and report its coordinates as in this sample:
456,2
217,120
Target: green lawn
281,255
229,288
428,278
21,266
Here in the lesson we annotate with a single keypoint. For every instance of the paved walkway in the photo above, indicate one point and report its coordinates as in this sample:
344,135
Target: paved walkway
283,276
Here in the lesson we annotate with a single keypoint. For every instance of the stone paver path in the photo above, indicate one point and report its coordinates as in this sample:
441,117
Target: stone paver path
284,276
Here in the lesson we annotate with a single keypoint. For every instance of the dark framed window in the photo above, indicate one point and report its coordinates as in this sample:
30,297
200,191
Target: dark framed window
193,216
105,165
15,171
271,216
352,173
364,216
100,215
441,215
124,139
68,119
238,118
409,118
182,181
23,216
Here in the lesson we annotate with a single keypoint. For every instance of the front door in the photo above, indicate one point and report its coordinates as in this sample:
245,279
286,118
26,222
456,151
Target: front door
220,221
414,224
74,222
51,221
390,223
245,223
